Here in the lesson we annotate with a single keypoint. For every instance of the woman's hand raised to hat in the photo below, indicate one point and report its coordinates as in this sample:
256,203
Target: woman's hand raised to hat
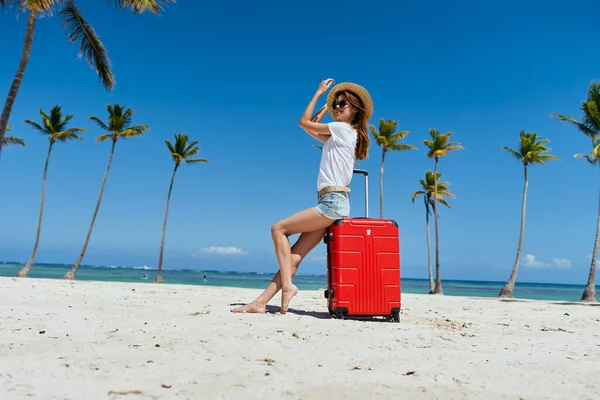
324,85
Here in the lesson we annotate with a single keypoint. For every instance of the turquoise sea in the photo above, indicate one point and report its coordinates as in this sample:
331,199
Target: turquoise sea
538,291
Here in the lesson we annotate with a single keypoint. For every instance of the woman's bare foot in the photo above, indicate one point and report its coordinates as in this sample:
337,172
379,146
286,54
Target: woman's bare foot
286,295
253,307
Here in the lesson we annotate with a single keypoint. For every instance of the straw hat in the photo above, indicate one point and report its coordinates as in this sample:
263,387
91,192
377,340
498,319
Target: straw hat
360,91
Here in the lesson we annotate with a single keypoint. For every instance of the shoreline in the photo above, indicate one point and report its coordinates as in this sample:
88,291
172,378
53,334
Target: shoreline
259,280
90,339
256,291
84,267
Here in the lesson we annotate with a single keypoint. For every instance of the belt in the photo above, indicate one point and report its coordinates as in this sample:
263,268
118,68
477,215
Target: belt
328,189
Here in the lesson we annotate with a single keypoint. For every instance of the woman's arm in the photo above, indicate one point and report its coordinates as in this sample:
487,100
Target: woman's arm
312,125
317,118
320,114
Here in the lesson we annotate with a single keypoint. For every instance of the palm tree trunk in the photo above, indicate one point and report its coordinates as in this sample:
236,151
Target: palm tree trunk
507,290
162,239
438,281
14,88
25,271
381,185
589,293
431,284
73,271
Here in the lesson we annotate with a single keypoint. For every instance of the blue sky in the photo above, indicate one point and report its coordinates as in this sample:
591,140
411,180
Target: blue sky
238,78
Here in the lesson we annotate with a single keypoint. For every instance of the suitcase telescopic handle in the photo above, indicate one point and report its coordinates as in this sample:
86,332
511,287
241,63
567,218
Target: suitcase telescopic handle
366,175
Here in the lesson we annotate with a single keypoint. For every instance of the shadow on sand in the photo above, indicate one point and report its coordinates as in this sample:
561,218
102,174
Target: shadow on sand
316,314
559,303
575,303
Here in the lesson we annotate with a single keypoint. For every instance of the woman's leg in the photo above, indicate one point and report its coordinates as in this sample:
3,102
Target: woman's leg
307,220
304,245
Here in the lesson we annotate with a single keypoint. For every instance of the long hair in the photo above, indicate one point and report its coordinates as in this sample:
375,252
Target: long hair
359,122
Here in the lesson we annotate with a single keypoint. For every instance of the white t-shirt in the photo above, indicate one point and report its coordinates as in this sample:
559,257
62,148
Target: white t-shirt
337,160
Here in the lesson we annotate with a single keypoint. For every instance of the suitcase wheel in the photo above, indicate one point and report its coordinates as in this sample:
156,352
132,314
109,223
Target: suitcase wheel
394,315
340,313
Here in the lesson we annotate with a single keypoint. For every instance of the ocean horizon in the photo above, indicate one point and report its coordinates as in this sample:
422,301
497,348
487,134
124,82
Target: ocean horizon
259,280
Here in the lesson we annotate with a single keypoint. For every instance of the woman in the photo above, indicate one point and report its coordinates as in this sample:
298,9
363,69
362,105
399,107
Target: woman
344,140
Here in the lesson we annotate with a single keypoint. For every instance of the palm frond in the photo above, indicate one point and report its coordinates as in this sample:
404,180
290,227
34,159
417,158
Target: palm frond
90,47
417,194
69,134
546,157
100,124
190,149
140,6
591,159
397,136
586,130
445,202
120,117
196,160
514,153
35,5
35,125
454,146
401,147
590,121
8,141
591,108
170,146
65,120
104,137
187,152
442,193
591,116
134,131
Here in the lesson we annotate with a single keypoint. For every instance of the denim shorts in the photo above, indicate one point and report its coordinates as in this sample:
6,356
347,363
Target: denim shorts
334,205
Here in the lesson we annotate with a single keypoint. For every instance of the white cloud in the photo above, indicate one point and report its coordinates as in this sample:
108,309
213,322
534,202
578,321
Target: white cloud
220,250
531,262
562,263
558,263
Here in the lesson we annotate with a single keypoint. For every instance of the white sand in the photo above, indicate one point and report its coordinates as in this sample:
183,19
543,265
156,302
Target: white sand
100,338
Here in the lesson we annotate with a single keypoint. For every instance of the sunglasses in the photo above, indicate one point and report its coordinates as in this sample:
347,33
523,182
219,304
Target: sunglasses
340,104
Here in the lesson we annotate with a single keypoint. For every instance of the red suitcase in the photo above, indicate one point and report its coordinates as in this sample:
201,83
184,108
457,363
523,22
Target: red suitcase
363,266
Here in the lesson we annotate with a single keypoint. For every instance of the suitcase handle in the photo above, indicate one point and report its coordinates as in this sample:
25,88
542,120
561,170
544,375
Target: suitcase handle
366,175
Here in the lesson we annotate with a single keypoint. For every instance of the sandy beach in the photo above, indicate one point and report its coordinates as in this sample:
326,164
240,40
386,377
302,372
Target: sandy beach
105,340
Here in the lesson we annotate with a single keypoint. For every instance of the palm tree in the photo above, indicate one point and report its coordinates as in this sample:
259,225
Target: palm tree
181,151
118,127
590,126
428,192
55,129
589,293
387,139
78,29
439,146
11,140
531,151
